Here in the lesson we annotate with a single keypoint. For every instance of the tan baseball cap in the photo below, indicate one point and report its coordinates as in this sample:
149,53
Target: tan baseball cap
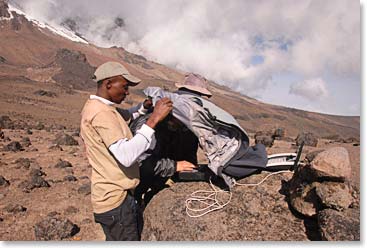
195,83
112,69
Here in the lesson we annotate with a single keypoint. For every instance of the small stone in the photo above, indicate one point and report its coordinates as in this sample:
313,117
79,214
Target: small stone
26,142
84,189
53,214
39,182
279,133
15,208
36,181
71,210
4,182
39,126
23,163
263,138
86,221
37,172
69,170
29,131
309,139
63,164
6,122
14,146
55,148
65,139
45,93
70,178
55,228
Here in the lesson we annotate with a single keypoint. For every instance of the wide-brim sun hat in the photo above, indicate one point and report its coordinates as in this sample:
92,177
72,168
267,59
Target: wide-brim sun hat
195,83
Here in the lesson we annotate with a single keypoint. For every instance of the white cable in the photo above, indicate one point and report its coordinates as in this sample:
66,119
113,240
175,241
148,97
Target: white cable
263,180
211,199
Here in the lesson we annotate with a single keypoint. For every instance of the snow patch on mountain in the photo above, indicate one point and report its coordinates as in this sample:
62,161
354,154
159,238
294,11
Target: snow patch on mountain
57,29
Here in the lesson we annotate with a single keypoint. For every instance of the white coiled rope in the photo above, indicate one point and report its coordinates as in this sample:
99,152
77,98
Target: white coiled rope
208,200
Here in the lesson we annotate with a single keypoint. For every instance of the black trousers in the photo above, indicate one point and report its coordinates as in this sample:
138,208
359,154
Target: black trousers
123,223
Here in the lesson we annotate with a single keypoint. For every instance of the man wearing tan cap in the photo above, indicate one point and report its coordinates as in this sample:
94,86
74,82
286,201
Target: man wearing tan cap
112,151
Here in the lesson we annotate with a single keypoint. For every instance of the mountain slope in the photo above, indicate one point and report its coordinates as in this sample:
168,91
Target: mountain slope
30,50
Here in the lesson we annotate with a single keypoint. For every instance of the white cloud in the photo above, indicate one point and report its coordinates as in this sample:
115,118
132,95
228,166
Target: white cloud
218,39
312,89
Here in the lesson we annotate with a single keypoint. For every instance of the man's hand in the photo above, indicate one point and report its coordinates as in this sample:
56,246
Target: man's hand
185,166
162,108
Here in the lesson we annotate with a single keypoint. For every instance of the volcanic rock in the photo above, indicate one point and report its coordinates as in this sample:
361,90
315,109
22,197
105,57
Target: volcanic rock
84,189
70,178
334,164
339,226
75,70
54,228
39,126
63,164
45,93
309,139
2,134
264,138
55,148
71,210
58,127
66,140
26,142
14,146
304,199
23,163
36,181
15,208
4,12
334,195
279,133
3,182
6,122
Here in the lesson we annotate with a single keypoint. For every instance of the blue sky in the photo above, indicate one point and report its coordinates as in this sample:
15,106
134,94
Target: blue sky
303,54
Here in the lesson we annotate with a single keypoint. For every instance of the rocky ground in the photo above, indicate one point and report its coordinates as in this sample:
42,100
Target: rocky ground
45,194
44,174
263,212
58,189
